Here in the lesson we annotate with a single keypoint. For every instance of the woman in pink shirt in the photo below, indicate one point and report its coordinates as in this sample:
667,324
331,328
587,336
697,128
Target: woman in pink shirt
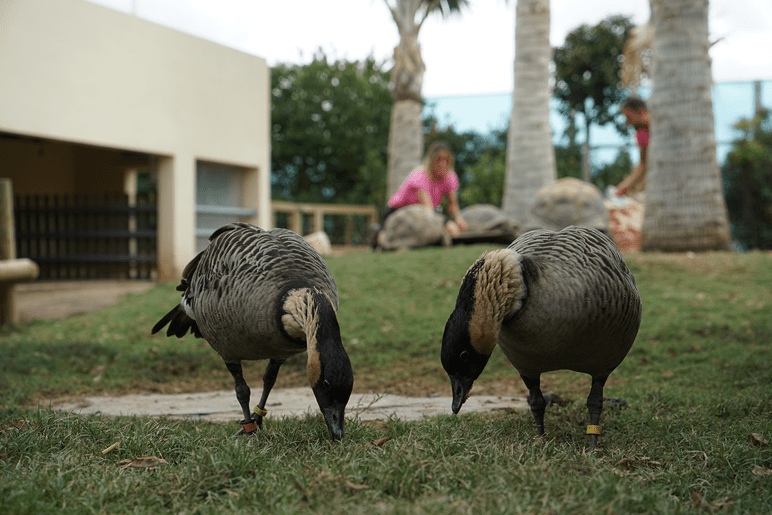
429,183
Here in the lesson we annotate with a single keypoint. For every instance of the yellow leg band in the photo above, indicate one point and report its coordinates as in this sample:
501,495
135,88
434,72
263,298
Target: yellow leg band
260,412
594,430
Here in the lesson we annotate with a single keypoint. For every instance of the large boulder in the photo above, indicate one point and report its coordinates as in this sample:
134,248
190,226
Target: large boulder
487,223
411,227
568,201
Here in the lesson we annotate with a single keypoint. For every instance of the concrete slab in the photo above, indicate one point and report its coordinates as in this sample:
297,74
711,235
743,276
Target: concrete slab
287,402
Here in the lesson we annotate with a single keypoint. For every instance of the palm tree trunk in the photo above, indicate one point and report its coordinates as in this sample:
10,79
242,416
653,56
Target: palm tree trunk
406,130
530,153
685,207
406,142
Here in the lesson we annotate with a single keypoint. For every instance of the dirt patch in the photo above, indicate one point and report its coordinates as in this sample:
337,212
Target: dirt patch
49,300
59,299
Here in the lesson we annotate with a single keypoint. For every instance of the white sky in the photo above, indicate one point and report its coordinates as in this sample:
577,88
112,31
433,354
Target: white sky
467,54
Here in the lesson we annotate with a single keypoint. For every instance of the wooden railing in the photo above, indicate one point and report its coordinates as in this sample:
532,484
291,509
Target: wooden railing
12,270
81,237
295,212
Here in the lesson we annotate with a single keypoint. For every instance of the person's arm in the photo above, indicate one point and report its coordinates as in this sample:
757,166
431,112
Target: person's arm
454,212
636,175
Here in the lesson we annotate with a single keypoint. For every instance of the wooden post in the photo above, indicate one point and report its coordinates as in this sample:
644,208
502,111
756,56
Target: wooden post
130,189
7,231
8,311
349,229
12,270
318,220
296,221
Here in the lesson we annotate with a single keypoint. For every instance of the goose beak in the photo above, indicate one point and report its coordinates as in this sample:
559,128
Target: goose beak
461,388
333,417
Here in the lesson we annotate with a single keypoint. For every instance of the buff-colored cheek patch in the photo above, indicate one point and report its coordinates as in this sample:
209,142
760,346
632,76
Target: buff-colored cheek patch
301,320
498,290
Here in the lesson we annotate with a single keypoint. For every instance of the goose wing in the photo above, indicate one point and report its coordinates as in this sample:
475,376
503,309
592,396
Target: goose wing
583,309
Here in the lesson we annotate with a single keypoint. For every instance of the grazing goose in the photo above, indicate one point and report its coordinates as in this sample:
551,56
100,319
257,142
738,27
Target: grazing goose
552,301
256,294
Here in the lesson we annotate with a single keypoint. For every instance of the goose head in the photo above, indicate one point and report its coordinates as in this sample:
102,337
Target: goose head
491,290
329,368
461,361
310,315
332,393
332,379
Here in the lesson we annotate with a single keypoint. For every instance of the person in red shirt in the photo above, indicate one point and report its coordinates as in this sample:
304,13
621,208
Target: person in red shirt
636,114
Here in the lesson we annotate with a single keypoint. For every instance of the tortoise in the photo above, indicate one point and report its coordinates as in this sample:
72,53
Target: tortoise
568,201
411,227
487,223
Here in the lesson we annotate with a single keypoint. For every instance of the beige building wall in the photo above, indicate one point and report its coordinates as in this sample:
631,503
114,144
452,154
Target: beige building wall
76,72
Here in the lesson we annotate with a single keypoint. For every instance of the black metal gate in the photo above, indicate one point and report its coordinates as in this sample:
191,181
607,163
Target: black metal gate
88,237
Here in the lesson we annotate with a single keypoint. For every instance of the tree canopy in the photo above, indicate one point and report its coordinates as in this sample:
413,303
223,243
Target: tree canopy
587,73
329,131
587,70
747,177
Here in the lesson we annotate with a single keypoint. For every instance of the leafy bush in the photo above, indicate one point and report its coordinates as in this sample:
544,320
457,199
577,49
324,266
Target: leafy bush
747,176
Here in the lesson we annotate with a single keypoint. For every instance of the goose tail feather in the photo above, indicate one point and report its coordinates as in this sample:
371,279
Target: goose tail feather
179,323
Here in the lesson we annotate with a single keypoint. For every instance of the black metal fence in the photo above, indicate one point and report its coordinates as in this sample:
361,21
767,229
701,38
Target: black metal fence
88,237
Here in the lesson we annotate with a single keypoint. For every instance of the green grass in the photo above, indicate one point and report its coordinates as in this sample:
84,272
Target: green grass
698,382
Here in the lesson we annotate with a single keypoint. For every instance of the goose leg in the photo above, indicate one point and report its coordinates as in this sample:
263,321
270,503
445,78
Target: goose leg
594,407
269,379
536,401
242,395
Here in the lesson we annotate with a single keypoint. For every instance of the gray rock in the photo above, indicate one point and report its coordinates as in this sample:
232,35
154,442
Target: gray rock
320,242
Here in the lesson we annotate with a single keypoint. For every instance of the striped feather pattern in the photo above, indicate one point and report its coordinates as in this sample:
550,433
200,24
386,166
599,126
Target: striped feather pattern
583,309
237,286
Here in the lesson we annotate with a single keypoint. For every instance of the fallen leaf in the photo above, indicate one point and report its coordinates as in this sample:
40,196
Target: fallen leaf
97,373
761,471
634,463
111,448
349,484
378,442
699,502
757,439
650,462
98,370
146,462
